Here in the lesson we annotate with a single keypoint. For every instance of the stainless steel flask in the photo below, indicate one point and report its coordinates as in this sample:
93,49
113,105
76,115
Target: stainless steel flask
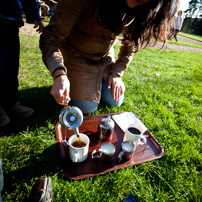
71,118
105,128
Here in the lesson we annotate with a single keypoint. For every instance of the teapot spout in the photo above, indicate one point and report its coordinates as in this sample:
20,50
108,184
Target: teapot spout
76,131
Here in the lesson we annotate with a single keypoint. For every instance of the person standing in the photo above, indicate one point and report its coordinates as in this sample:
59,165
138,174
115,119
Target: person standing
177,24
10,21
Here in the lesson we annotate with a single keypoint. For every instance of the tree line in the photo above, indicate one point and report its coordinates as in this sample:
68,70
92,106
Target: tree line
193,18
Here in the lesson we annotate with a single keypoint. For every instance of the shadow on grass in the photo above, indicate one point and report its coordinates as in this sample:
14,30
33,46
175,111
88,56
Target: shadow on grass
44,105
45,110
44,164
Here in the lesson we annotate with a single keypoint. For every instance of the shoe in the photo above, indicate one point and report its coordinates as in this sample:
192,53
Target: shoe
4,119
20,111
42,191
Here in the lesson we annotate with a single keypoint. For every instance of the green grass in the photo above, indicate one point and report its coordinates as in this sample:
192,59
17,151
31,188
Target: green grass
163,88
46,21
184,43
180,42
192,36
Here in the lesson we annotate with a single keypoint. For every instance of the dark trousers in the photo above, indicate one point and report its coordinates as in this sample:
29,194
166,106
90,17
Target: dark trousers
9,62
175,33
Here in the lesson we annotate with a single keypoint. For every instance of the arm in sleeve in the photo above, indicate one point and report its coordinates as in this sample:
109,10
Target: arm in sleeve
66,14
31,10
123,60
181,22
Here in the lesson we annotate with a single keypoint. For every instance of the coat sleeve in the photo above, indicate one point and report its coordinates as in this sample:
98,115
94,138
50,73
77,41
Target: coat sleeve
123,60
31,10
66,14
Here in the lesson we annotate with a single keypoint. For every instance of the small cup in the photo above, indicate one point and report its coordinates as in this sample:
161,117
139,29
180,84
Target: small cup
106,152
78,154
128,149
135,134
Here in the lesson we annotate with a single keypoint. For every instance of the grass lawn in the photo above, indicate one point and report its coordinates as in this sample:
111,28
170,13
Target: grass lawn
192,36
184,43
163,88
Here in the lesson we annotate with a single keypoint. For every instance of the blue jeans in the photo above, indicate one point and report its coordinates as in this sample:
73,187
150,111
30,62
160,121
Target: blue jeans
106,97
9,62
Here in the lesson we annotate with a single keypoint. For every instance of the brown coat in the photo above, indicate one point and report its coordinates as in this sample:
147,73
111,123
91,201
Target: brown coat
74,40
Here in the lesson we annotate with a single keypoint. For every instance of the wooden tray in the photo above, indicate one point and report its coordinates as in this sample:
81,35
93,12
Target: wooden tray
90,167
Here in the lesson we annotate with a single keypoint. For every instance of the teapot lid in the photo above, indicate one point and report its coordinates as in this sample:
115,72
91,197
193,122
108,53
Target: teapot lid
107,123
72,117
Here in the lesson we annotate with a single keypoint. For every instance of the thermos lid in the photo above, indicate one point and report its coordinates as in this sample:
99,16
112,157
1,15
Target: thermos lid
107,123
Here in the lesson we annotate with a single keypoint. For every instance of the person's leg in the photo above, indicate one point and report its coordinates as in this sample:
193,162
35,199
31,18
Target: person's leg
171,33
45,9
39,10
175,35
5,91
9,62
9,67
84,106
4,119
1,179
106,96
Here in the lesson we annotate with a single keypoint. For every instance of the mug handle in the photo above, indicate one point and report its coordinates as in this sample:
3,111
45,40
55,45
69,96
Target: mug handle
75,157
145,135
144,140
121,155
96,151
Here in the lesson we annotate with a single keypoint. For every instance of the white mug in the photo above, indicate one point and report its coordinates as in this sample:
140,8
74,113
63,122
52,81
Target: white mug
135,134
77,154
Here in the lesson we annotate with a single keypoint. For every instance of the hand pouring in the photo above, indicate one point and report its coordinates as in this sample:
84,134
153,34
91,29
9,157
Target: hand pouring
70,118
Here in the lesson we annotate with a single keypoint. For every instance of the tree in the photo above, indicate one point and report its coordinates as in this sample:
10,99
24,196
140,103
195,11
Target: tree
195,8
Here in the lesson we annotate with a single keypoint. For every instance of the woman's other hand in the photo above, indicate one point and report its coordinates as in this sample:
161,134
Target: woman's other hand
117,86
61,87
39,25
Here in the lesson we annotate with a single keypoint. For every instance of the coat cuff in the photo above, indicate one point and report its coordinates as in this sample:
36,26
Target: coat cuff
55,63
121,65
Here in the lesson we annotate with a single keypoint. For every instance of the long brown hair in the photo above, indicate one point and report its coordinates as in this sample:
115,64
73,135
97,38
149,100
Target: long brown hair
140,24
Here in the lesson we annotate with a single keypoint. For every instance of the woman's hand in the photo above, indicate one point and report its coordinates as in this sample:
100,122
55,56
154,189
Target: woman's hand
60,89
117,86
39,25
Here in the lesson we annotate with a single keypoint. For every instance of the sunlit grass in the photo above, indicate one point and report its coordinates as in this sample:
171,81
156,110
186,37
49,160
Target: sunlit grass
163,88
192,36
185,43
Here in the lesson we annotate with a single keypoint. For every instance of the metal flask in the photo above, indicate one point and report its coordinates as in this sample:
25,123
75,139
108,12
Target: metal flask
105,128
71,118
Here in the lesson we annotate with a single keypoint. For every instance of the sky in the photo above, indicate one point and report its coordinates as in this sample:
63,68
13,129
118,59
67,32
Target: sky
184,4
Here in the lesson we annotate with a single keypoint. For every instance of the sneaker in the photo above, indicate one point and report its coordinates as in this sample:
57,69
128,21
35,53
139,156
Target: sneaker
42,191
4,119
20,111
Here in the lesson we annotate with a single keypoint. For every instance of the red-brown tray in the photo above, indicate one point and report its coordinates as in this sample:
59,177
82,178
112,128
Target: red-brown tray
90,167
